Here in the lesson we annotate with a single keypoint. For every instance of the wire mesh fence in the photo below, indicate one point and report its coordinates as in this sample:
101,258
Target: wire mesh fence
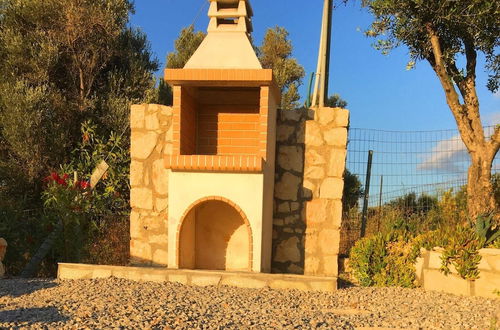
411,173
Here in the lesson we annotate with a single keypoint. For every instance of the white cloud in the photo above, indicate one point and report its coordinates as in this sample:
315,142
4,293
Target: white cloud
451,155
447,156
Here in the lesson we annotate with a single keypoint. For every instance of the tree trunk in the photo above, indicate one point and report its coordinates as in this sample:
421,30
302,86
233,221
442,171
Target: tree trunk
480,199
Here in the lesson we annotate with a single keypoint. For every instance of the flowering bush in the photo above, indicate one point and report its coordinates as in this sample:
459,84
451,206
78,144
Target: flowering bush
67,203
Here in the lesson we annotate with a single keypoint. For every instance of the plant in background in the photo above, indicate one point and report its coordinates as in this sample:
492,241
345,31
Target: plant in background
66,202
486,231
367,259
462,251
111,195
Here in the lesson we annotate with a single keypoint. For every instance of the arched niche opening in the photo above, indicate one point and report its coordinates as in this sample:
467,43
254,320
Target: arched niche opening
215,235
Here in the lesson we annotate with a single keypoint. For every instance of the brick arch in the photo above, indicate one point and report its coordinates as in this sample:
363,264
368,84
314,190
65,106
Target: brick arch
230,203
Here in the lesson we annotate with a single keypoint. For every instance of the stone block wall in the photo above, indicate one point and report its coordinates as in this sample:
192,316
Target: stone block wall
310,162
151,136
431,278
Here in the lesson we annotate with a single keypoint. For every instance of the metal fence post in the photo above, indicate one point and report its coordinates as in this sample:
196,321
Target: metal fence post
367,193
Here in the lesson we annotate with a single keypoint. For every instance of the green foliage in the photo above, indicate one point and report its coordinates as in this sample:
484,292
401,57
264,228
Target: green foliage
23,233
485,230
68,202
275,53
63,62
335,101
65,65
495,181
411,204
462,26
462,251
352,191
385,260
112,193
367,258
185,46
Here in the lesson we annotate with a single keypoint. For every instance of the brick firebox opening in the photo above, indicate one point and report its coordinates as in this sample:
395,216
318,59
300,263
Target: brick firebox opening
220,121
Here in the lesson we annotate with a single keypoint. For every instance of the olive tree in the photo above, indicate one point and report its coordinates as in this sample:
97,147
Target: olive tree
446,34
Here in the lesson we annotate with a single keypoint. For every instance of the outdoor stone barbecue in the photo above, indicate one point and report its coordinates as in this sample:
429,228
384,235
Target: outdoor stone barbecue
223,180
225,187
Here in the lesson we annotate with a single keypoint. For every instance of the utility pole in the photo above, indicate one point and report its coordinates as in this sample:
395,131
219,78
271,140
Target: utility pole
321,83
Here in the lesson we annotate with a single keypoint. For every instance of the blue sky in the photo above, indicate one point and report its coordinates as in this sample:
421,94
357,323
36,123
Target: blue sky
381,93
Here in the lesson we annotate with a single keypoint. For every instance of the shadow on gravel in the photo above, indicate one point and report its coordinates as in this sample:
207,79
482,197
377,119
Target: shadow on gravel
343,283
20,287
29,316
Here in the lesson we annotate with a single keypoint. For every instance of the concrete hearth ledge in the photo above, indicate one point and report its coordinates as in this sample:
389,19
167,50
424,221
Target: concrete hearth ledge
198,277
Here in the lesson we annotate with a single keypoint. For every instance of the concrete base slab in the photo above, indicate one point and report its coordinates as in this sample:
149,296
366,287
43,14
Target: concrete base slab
199,277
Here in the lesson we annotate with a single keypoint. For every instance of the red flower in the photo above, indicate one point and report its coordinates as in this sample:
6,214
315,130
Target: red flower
65,177
54,176
84,185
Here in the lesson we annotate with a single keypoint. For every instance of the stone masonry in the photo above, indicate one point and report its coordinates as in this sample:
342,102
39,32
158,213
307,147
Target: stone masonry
311,153
310,162
151,139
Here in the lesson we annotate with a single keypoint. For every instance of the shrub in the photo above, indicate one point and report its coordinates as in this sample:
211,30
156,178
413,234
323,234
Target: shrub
368,259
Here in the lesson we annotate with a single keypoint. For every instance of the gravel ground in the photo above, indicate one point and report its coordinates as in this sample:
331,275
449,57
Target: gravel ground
113,303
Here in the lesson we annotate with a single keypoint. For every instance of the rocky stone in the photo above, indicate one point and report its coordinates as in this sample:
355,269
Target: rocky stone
311,243
314,158
336,213
137,113
160,257
135,225
160,177
311,265
205,280
288,187
309,189
288,285
313,134
292,115
325,115
243,282
168,149
291,158
336,164
301,132
152,121
121,303
284,132
288,250
141,198
317,210
284,207
314,172
330,266
341,117
161,204
329,241
142,144
136,173
278,222
294,206
294,269
140,250
336,137
292,219
332,188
